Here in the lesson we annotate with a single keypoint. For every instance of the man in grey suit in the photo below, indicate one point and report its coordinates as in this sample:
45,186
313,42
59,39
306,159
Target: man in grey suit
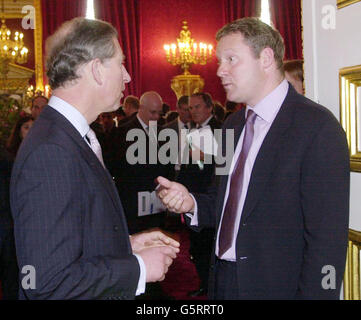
70,229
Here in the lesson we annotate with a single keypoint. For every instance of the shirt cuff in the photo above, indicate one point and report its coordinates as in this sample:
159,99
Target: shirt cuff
142,277
193,216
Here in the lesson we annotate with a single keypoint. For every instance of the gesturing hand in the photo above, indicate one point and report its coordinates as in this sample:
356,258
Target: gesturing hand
174,196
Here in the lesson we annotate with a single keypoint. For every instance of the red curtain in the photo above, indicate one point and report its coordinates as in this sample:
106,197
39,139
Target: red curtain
55,12
286,17
235,9
123,15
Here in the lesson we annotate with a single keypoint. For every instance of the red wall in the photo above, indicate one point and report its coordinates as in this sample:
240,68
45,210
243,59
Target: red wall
160,23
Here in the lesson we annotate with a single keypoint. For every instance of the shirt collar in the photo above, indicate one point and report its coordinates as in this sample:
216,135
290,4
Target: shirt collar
145,126
206,122
71,114
181,124
268,108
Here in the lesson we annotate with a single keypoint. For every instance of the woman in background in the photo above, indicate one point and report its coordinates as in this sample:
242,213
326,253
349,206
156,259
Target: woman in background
18,134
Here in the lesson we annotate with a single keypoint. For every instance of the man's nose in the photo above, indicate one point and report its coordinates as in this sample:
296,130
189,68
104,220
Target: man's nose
126,76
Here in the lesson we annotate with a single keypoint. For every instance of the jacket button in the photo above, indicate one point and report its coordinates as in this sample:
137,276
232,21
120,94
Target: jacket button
115,228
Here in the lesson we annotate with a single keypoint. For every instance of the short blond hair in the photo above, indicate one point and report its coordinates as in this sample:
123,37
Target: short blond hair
258,35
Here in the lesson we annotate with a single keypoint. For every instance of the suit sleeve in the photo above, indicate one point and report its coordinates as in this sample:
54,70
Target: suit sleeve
206,207
49,202
325,205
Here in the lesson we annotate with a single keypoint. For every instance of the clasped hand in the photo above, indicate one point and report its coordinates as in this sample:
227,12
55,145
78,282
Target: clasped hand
157,251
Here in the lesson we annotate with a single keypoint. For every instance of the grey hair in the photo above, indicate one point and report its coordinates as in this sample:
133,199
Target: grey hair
76,43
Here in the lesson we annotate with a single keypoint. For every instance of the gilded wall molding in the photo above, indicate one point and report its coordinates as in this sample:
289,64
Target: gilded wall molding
345,3
38,46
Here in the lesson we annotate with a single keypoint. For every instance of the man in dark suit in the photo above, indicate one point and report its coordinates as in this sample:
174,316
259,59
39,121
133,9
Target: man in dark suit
70,228
130,107
136,172
281,206
183,122
108,138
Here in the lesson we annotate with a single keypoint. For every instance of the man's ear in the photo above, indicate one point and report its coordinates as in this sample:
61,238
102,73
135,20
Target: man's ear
97,71
267,58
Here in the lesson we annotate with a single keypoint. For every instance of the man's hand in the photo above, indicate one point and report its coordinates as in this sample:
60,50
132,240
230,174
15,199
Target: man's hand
152,238
157,261
175,196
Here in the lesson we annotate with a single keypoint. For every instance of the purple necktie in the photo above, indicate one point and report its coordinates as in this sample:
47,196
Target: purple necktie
235,188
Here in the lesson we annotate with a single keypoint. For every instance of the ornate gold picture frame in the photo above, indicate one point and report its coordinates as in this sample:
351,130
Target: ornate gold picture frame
345,3
350,109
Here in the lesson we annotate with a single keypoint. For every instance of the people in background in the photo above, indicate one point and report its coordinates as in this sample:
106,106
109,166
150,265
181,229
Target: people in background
37,105
69,221
182,121
294,74
18,134
134,178
119,115
171,116
219,111
109,140
280,207
230,108
130,108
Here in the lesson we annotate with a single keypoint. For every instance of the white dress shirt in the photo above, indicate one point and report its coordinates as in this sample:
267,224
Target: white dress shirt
82,126
266,111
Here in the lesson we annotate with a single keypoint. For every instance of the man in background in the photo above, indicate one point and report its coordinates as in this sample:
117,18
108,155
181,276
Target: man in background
130,108
135,178
37,105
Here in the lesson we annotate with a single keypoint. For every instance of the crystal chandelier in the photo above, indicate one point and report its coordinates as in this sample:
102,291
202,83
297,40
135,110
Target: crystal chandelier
187,52
12,49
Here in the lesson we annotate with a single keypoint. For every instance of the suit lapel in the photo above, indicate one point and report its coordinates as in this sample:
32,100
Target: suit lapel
86,152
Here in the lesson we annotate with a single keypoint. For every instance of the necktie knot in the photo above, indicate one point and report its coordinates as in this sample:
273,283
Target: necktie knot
91,135
251,117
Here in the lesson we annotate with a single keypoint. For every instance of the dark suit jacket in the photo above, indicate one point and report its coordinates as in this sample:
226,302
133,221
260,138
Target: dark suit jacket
125,120
295,217
138,177
69,222
109,142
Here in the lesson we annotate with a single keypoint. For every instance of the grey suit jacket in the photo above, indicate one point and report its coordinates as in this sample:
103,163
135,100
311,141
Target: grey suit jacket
69,221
